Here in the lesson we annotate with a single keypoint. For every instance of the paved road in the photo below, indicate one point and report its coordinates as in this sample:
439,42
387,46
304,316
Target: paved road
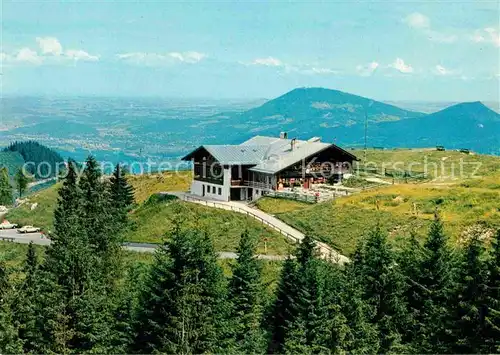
11,235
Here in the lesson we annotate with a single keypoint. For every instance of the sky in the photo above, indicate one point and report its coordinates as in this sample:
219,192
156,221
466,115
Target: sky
386,50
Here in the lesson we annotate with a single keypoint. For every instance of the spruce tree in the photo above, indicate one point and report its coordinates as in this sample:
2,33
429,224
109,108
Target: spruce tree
359,335
95,209
9,337
432,290
122,193
468,302
104,235
300,316
246,295
383,289
21,182
283,310
312,306
73,299
5,187
492,313
182,305
410,260
127,299
25,312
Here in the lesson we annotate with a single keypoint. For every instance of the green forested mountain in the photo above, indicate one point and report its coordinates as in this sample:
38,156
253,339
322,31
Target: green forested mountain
40,160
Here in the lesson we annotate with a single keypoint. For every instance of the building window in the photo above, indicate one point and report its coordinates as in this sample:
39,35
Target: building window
213,189
256,192
220,191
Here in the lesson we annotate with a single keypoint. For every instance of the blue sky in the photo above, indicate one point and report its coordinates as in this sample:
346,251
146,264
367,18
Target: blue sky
439,51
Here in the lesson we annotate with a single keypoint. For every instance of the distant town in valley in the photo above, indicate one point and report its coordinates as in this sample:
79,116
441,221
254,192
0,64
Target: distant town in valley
135,129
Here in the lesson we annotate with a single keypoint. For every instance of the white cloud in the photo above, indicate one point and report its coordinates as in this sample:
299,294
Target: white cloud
487,35
300,68
315,70
188,57
269,62
50,45
401,66
78,54
28,56
422,23
417,20
367,70
50,52
170,58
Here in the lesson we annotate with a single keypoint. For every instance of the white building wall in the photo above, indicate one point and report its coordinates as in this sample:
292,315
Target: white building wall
214,191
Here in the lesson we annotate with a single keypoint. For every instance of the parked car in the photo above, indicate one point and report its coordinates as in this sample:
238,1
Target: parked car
7,225
28,229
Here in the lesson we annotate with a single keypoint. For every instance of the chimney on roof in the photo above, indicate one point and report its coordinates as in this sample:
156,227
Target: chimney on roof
283,135
293,143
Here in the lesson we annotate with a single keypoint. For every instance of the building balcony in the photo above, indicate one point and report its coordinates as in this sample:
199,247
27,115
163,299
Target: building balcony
237,182
258,185
210,180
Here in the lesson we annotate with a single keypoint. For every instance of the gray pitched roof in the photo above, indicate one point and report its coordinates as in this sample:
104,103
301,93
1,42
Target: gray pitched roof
268,154
236,154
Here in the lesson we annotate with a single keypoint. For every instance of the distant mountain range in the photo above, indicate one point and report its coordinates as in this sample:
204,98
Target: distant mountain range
338,116
131,129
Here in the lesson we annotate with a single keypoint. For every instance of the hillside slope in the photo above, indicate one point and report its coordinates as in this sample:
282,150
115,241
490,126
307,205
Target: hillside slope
152,218
305,112
466,202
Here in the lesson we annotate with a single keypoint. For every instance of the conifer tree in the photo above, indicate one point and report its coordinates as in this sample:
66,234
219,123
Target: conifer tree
312,307
283,310
410,261
359,335
68,204
492,314
127,306
468,302
104,236
434,285
21,182
122,194
95,209
9,337
183,303
383,289
25,312
302,304
73,300
245,295
5,187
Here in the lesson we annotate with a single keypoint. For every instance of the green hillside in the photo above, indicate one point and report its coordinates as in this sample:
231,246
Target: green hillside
43,161
465,203
12,161
153,218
